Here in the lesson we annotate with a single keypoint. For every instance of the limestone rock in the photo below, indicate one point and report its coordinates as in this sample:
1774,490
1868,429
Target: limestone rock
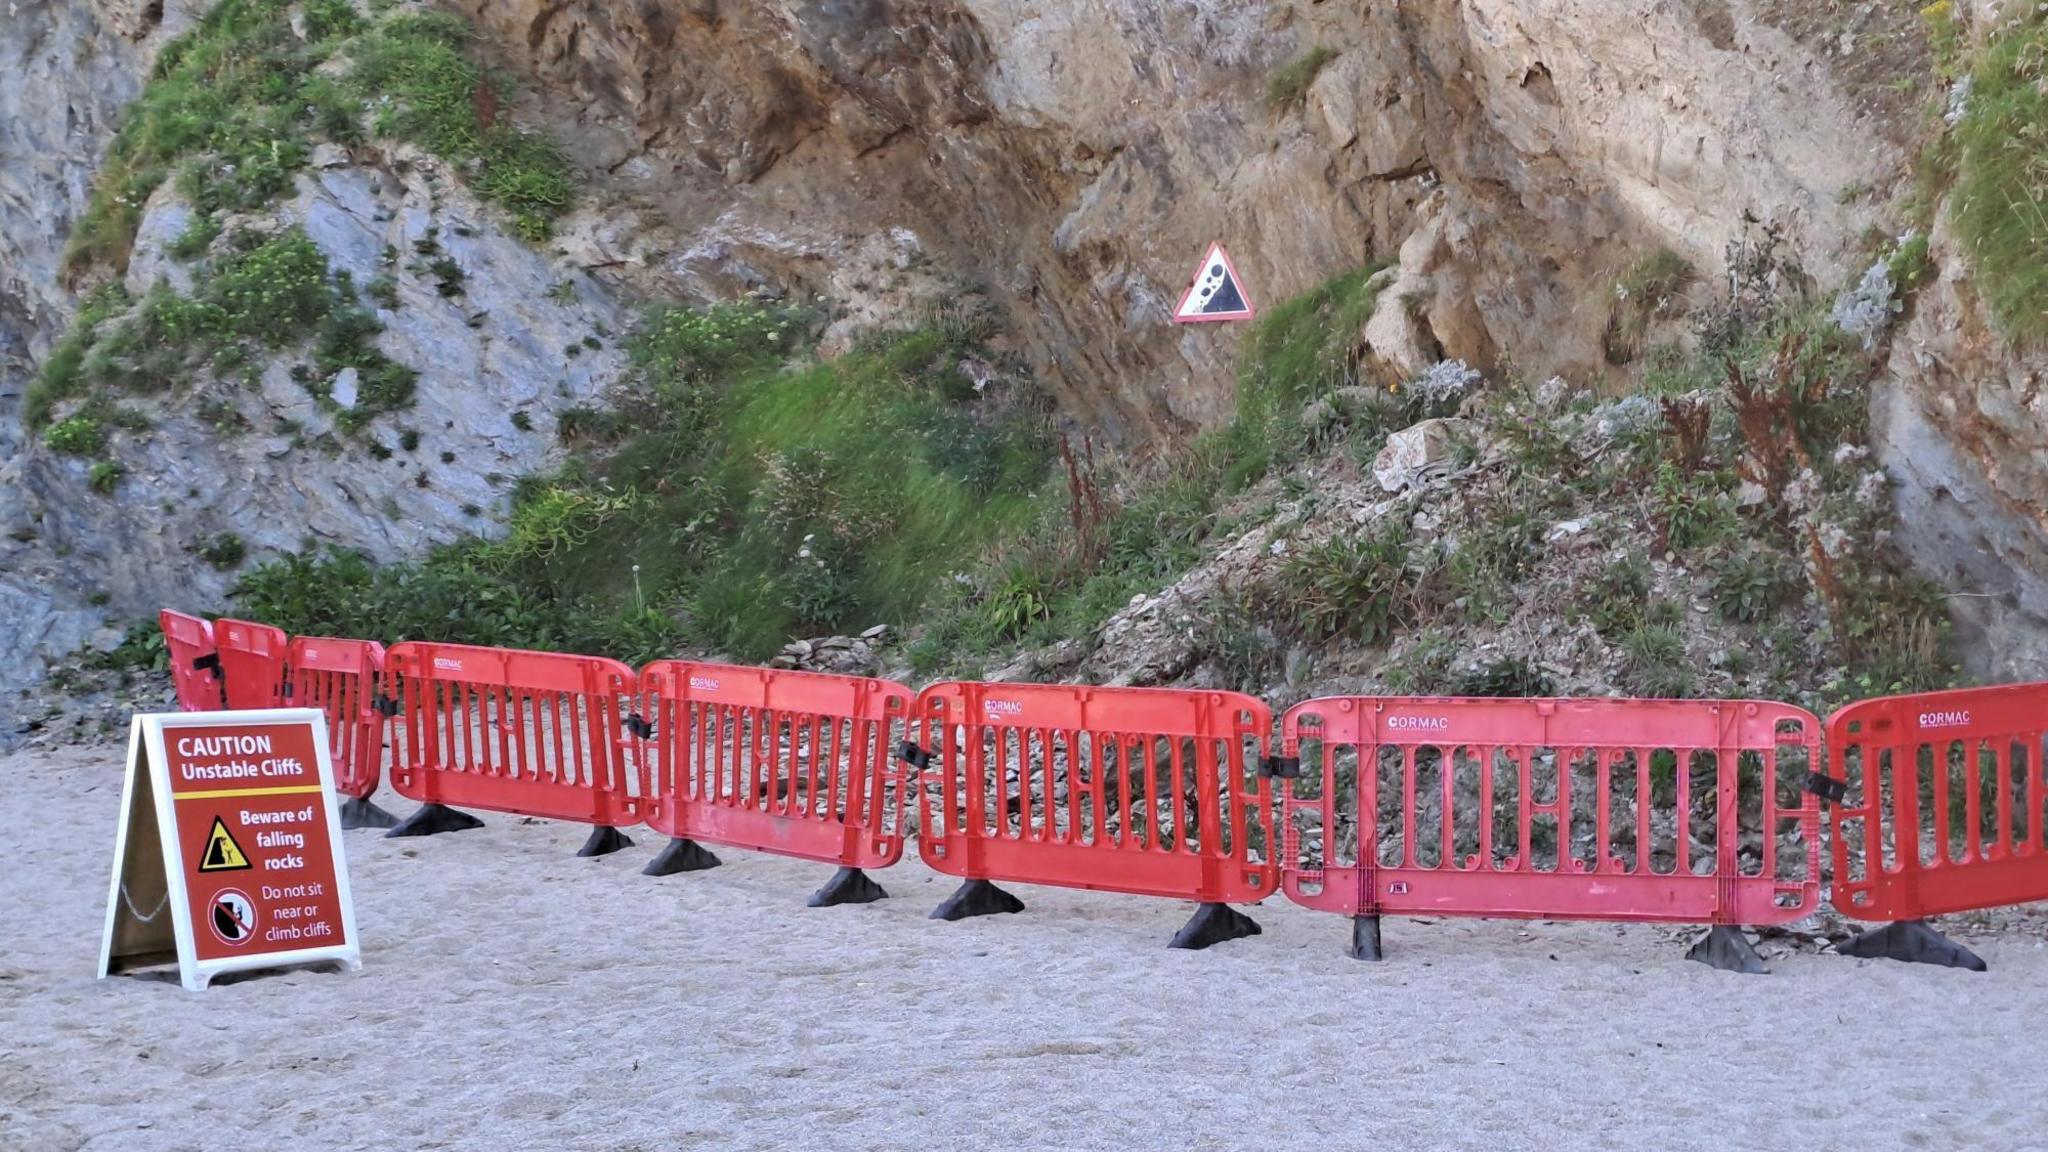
1416,455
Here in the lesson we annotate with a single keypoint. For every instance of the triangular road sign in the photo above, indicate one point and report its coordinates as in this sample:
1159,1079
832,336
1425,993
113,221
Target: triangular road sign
1216,293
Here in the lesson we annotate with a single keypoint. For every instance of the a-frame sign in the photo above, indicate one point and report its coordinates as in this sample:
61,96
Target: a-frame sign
228,855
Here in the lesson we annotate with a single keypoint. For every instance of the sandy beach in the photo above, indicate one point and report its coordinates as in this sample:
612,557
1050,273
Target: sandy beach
514,996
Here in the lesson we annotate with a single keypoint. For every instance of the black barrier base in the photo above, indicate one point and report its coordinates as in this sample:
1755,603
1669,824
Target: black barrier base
847,886
977,898
604,841
1365,939
434,819
1213,924
1725,947
680,856
360,813
1913,942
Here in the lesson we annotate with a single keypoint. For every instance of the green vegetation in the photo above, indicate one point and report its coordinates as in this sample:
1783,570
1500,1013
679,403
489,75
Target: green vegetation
1355,587
762,494
1652,289
1617,598
1509,676
1305,349
224,550
231,112
1289,86
1654,660
2000,207
62,373
1118,534
234,107
422,70
258,296
744,492
77,436
1910,264
106,476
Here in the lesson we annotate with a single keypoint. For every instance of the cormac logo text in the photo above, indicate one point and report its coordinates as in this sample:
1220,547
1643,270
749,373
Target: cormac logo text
703,684
1002,707
444,664
1419,723
1944,719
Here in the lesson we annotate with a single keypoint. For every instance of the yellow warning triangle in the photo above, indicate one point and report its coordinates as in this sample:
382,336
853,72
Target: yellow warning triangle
222,853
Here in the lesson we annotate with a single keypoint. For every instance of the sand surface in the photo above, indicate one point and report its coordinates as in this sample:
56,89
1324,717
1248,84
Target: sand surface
514,996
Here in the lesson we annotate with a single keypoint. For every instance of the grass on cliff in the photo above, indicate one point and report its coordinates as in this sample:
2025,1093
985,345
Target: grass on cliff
745,493
1111,534
2001,195
260,294
232,110
1290,84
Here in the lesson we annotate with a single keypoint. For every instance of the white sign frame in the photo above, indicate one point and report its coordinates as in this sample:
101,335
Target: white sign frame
146,754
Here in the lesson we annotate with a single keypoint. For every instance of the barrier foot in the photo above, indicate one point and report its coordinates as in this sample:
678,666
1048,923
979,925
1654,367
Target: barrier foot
1213,924
977,898
680,856
847,886
358,812
1913,942
434,819
604,840
1365,938
1725,947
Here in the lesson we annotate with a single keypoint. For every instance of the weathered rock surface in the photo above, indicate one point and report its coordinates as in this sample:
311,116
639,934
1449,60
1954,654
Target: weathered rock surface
66,69
1075,159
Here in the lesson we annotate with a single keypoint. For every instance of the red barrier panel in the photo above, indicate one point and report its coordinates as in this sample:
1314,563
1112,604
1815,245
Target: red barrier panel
530,733
342,678
1661,810
1136,790
795,763
251,663
195,664
1943,811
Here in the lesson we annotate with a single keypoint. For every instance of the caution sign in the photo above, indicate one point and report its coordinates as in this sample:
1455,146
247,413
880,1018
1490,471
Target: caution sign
222,853
1216,292
211,794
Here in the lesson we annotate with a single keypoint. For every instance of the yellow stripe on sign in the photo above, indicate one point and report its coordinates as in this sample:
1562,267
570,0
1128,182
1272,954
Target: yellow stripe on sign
226,792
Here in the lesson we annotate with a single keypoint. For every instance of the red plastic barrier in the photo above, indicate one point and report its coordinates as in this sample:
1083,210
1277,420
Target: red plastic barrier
531,733
251,663
1592,809
1138,790
1945,802
795,763
342,679
195,664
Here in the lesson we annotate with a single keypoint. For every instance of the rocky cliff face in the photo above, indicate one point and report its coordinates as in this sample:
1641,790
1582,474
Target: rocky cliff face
1074,159
1077,157
66,70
